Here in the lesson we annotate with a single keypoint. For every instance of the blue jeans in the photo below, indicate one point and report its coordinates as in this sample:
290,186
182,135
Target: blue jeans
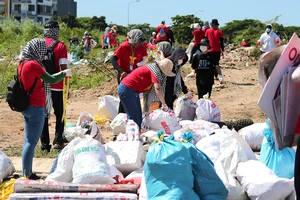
131,102
33,121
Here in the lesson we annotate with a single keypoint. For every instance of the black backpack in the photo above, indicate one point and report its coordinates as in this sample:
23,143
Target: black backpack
16,97
49,60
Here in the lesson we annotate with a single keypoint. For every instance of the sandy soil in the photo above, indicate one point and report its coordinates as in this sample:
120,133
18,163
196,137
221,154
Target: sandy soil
236,99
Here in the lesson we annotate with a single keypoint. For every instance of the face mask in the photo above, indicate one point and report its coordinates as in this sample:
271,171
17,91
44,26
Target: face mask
203,48
180,62
268,30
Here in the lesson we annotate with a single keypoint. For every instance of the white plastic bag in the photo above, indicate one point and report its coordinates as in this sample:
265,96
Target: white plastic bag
73,132
86,120
207,110
6,166
108,107
118,124
90,164
254,135
132,131
160,120
260,183
185,108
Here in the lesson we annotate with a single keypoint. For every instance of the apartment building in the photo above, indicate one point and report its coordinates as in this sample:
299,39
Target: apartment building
38,10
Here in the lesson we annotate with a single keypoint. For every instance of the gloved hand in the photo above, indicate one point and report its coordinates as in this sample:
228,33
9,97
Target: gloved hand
68,73
296,75
221,79
165,108
140,63
258,43
189,94
277,40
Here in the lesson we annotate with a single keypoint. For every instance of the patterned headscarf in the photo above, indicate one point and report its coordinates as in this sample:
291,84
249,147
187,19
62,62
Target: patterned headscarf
51,33
165,47
36,49
150,96
134,35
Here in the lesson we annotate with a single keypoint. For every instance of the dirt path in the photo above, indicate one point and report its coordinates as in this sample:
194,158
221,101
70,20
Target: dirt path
236,99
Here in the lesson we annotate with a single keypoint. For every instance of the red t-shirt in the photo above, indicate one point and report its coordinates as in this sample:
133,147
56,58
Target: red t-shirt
127,54
113,39
32,69
159,39
60,52
214,36
140,80
198,36
166,29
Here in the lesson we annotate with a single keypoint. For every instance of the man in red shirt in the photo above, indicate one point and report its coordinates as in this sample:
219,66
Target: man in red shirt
162,26
129,55
198,36
215,36
51,33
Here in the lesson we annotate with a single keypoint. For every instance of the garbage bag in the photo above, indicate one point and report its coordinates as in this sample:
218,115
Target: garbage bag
168,172
281,162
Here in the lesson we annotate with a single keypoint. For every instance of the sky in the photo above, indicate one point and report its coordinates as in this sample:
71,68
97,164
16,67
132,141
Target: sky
153,12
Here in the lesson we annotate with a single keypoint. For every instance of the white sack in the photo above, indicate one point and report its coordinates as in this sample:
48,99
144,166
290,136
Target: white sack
108,107
207,110
185,109
118,124
160,120
261,183
63,171
6,166
254,135
90,166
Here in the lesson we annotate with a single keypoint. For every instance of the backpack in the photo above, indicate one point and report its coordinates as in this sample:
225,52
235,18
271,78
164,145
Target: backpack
49,60
16,97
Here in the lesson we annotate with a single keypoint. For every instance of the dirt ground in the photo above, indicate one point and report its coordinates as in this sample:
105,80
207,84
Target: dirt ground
236,98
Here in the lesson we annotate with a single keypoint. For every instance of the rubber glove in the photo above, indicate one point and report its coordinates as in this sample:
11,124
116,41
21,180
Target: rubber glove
221,79
165,108
68,73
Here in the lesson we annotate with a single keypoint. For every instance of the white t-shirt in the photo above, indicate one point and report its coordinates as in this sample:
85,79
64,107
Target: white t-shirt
268,41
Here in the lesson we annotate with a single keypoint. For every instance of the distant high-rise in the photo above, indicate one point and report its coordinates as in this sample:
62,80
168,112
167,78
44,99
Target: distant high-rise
64,7
38,10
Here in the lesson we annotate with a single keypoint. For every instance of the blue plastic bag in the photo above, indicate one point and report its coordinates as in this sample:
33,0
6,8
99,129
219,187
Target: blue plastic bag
281,162
168,172
204,173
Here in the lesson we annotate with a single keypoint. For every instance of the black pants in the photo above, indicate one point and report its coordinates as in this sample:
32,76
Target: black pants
297,171
194,49
57,99
203,89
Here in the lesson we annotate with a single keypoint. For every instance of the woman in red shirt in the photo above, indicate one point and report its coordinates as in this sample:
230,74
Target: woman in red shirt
29,70
129,56
141,80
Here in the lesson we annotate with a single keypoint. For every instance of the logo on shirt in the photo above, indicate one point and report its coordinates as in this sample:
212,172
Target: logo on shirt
132,59
203,64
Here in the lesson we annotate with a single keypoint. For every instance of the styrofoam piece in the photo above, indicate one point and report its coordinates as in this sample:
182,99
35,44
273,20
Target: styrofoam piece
77,196
126,156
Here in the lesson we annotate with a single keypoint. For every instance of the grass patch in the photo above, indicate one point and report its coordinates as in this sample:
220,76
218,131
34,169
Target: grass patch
38,153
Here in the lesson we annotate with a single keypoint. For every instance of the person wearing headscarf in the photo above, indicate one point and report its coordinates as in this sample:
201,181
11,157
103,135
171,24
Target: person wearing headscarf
151,100
175,85
55,95
30,69
129,56
141,80
87,42
105,39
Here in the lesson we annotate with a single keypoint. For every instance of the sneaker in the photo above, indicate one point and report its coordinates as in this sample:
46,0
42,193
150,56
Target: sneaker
58,146
34,177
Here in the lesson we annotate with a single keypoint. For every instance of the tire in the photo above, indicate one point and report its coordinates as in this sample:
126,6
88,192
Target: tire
237,124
